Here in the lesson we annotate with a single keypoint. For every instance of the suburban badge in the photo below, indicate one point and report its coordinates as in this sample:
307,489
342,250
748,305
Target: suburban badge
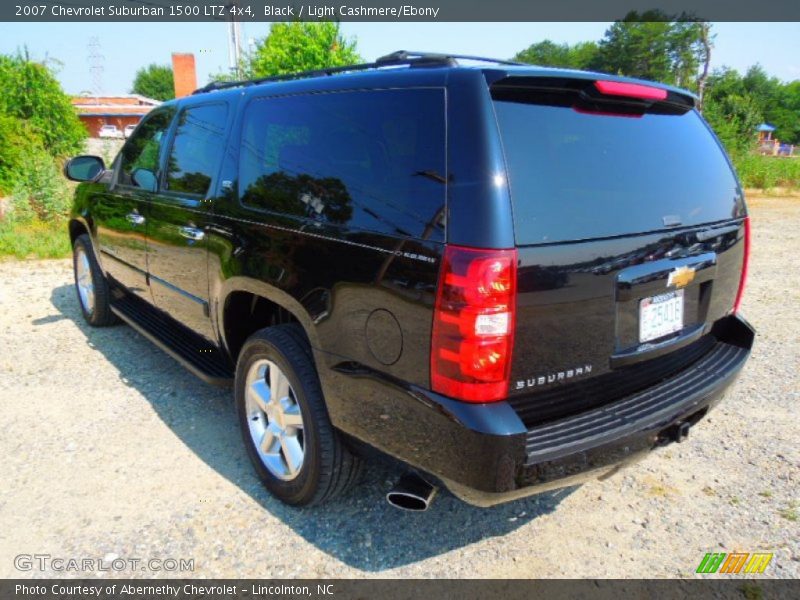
554,377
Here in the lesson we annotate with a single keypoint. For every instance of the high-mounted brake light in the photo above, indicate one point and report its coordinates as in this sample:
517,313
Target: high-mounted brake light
745,265
473,324
630,90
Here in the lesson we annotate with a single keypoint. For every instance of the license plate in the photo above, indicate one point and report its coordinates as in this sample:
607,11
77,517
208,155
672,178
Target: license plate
660,315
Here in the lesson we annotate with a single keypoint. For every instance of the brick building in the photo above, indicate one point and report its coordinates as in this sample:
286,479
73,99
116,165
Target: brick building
96,111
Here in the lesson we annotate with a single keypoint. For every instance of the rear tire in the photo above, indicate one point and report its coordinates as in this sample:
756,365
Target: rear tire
295,450
94,297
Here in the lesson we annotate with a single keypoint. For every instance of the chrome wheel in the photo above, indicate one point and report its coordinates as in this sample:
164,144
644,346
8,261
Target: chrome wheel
84,280
274,419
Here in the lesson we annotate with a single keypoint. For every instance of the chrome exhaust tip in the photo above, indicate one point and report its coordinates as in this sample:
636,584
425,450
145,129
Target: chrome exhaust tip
411,493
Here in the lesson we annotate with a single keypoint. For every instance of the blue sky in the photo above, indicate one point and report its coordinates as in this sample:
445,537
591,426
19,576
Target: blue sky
127,46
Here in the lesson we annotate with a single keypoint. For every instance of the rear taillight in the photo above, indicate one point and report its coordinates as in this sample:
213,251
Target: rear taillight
745,265
473,324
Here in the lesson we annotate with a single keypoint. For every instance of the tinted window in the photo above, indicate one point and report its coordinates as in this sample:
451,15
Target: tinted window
575,175
196,149
371,160
141,151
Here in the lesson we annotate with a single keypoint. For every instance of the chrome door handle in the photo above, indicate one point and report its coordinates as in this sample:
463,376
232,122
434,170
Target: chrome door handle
192,233
135,218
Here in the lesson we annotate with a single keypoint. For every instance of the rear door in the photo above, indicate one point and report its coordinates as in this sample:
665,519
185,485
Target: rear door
180,213
121,213
628,222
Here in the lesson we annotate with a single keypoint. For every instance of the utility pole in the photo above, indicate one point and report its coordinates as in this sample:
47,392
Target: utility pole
234,40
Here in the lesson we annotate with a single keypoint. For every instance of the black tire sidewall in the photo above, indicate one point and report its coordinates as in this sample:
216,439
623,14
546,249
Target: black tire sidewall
302,489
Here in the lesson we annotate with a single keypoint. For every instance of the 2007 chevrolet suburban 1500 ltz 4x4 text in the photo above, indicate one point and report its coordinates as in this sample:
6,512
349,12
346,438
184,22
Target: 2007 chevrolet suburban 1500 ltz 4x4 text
506,277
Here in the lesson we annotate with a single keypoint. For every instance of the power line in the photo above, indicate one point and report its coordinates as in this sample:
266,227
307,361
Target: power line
95,60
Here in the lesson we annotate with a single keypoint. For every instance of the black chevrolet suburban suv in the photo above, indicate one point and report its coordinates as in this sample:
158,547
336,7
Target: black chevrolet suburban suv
508,278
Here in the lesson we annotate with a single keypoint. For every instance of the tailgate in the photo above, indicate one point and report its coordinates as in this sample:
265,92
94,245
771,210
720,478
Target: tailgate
579,311
628,220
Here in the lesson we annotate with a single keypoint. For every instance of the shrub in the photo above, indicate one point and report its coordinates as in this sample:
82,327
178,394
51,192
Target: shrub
734,120
31,93
40,189
16,142
38,126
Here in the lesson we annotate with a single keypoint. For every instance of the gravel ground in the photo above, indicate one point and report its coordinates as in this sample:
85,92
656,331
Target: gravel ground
108,448
107,148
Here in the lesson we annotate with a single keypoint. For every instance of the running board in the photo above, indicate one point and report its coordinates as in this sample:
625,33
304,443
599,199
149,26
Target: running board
193,351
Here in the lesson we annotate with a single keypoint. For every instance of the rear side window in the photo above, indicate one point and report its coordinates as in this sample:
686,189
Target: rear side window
370,160
142,150
196,149
577,174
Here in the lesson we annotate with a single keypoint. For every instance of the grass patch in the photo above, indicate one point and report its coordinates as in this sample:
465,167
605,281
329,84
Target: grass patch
768,172
658,488
790,512
34,239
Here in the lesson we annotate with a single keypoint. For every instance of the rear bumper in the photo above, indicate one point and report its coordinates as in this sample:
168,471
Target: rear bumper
598,442
485,455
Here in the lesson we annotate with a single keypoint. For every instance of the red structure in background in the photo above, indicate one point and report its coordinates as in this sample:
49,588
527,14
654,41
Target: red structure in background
96,111
121,111
184,73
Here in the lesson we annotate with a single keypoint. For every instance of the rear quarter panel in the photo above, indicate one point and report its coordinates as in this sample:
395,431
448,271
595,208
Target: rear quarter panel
364,298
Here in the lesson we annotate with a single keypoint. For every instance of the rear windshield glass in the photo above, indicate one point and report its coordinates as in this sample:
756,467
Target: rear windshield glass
575,175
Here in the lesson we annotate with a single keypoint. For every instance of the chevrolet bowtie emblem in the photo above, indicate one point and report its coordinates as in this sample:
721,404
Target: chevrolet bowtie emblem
681,277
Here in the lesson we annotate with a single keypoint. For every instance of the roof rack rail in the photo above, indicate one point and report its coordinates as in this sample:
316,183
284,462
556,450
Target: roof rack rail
408,55
399,58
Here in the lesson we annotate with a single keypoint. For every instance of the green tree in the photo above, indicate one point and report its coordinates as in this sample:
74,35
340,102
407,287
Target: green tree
547,53
32,94
724,82
734,118
300,46
785,115
652,45
154,81
757,93
762,87
731,110
778,102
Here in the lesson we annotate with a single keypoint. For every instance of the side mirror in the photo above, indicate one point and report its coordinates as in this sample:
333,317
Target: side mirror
84,168
142,178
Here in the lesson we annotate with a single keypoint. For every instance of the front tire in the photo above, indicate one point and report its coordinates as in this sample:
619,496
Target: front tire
90,284
298,455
